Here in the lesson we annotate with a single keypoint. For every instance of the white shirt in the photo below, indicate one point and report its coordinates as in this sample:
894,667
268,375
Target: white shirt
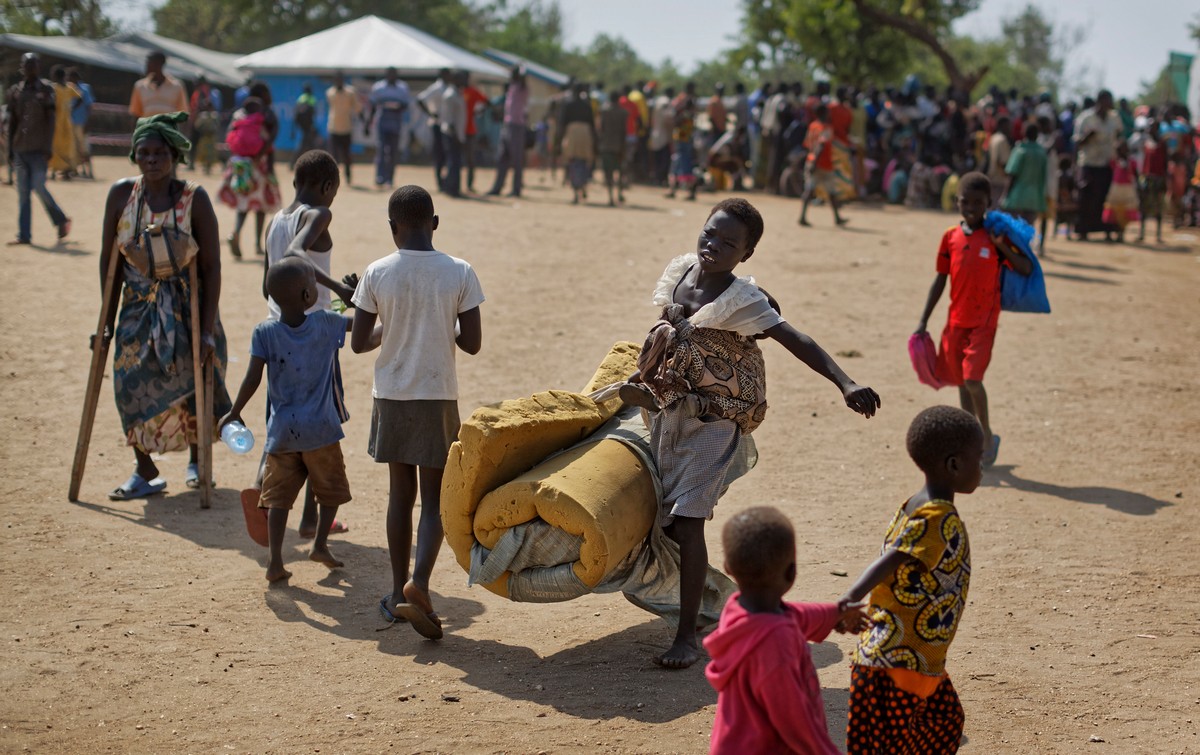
418,297
1101,148
431,97
742,308
280,235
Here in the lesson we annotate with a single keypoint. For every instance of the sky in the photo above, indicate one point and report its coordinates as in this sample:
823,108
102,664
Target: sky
1127,42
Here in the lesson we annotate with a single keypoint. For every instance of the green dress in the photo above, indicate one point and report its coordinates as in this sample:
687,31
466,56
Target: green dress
1027,165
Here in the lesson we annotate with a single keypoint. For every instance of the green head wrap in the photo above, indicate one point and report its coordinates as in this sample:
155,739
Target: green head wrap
164,127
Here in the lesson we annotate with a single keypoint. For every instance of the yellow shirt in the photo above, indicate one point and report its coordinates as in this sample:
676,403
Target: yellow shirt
155,99
915,612
344,104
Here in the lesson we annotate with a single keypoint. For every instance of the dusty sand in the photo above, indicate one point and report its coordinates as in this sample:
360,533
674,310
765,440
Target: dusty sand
147,626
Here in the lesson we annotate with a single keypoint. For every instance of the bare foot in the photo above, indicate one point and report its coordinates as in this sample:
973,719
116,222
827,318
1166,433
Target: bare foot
277,574
681,655
636,395
324,556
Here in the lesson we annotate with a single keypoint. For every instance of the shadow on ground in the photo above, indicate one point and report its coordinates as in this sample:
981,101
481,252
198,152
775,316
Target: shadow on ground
1125,501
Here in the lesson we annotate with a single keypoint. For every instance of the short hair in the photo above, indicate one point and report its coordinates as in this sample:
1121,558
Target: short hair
158,55
316,167
938,433
757,541
1032,131
975,181
746,214
410,206
285,277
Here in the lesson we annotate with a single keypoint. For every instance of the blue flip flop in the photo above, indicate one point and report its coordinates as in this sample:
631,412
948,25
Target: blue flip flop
990,458
386,614
138,487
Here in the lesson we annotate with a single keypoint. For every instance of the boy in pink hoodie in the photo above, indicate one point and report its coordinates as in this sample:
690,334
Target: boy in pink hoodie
768,696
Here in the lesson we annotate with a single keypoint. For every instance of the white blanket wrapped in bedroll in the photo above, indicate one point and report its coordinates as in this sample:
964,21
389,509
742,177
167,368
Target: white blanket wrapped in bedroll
554,496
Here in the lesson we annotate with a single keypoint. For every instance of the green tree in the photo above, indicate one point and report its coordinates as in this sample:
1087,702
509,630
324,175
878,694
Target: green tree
1160,91
839,41
927,23
534,31
610,60
75,18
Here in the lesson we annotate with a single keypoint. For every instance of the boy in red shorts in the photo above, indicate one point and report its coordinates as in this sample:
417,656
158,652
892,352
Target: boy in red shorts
971,257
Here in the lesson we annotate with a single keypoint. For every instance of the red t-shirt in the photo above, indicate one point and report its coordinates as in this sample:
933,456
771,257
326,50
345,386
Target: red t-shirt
632,115
973,264
472,97
819,152
841,118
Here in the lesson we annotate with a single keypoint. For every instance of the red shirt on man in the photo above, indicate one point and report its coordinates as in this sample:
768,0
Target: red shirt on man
973,264
634,115
820,148
472,98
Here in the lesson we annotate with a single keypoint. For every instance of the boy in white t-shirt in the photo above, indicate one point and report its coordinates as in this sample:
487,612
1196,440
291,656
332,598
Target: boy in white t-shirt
428,303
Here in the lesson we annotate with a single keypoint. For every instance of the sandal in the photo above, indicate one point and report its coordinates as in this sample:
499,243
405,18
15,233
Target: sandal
427,624
192,478
138,487
387,615
989,458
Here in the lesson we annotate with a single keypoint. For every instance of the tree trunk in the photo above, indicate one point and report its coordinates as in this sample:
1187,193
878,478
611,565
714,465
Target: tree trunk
959,80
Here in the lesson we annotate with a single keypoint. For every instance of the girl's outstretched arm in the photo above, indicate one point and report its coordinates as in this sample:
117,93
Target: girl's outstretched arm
860,398
879,570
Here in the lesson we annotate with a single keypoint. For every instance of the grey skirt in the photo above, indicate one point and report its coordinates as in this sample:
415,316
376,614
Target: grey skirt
413,432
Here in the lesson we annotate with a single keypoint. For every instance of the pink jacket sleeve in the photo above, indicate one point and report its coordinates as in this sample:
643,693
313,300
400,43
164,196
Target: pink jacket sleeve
816,620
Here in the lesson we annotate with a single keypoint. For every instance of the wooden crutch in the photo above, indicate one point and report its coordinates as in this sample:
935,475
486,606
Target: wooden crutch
202,378
95,379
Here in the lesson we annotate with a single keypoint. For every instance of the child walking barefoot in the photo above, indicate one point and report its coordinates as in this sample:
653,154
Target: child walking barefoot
428,303
302,229
901,699
768,696
702,381
304,430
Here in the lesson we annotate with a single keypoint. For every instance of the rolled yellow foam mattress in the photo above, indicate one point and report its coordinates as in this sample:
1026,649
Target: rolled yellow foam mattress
498,476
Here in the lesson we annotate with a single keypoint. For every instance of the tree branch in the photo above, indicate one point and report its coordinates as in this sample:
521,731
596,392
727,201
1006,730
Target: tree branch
926,36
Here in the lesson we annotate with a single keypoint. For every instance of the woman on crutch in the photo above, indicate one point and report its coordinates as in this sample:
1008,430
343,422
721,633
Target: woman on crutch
160,225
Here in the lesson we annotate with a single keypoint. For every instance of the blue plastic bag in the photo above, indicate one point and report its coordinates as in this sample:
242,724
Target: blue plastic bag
1019,293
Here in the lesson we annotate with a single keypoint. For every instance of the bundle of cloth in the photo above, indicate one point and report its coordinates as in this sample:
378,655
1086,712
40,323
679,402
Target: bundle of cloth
554,496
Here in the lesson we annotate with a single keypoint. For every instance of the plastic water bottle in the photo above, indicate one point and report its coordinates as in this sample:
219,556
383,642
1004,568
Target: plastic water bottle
238,437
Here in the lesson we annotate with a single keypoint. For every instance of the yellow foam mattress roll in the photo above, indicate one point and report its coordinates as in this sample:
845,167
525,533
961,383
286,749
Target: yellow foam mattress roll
584,491
601,491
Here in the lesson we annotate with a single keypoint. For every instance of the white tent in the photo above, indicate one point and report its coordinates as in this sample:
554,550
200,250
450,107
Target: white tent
368,46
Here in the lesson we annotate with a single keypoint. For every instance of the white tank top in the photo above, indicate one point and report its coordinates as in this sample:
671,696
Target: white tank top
283,230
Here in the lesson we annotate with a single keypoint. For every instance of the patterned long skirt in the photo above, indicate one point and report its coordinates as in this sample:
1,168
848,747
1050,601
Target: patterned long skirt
886,719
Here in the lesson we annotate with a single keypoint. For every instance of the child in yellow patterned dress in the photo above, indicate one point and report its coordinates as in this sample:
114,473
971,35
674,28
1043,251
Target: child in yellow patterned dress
901,699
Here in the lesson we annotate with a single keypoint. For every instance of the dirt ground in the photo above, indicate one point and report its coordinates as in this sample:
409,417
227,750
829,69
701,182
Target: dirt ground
147,626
